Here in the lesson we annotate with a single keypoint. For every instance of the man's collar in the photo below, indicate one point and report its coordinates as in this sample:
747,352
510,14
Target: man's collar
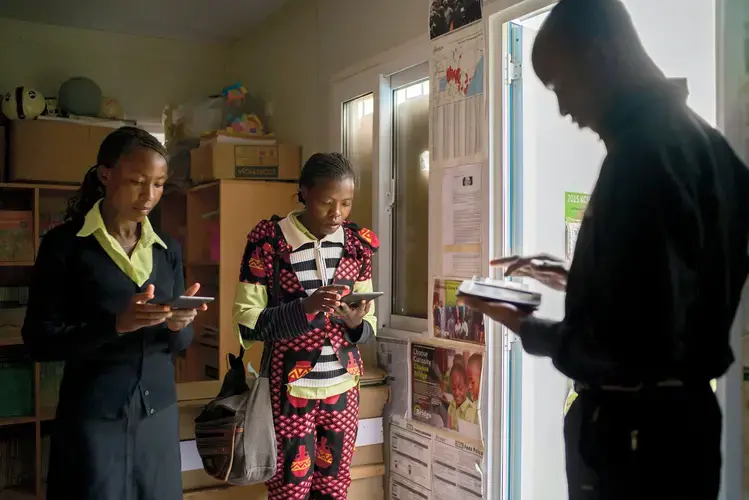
94,222
297,235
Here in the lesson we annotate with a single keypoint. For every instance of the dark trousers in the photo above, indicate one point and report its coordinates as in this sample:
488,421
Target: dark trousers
134,457
658,444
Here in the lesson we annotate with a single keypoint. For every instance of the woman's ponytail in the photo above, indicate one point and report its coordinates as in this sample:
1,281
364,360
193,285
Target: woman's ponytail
91,191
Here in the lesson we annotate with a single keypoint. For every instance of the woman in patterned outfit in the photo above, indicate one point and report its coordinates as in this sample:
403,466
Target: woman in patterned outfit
318,256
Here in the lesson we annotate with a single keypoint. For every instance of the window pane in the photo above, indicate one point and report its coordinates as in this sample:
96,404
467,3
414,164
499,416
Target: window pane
357,146
410,216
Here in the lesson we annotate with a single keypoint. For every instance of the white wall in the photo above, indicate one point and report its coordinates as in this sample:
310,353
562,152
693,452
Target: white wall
558,157
291,59
143,73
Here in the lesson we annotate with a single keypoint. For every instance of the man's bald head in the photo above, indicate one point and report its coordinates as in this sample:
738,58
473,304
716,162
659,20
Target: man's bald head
586,50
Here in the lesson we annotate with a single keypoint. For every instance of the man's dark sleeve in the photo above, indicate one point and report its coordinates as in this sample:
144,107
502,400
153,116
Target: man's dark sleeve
625,293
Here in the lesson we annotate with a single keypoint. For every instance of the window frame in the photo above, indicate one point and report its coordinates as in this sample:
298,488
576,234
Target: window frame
373,77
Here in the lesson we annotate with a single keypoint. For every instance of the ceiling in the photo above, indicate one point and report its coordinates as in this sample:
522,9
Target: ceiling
202,21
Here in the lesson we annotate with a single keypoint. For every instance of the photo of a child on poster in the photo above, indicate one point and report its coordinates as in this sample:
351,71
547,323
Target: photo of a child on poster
451,319
446,387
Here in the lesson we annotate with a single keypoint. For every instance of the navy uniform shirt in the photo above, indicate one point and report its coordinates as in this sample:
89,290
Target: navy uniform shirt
82,279
661,257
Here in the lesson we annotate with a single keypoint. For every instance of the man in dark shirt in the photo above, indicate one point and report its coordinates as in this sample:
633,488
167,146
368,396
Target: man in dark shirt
658,269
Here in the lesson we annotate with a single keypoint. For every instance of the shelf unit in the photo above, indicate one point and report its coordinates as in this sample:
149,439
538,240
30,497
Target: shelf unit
217,218
41,200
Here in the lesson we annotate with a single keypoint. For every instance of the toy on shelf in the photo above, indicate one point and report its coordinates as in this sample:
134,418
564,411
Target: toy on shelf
234,94
237,117
23,103
53,108
80,96
112,109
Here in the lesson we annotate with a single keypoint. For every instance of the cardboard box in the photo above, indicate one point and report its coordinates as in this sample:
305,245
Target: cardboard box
368,488
220,160
53,150
368,455
372,401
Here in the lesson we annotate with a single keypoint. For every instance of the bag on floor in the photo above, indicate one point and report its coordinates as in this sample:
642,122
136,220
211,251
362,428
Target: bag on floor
234,432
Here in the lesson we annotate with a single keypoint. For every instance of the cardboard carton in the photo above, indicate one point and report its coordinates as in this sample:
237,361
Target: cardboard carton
262,160
53,150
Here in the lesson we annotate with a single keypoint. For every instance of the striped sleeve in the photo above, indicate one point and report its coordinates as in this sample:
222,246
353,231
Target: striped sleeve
253,320
368,328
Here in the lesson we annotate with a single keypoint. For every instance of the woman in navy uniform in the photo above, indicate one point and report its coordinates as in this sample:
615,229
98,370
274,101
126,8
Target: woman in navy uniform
91,304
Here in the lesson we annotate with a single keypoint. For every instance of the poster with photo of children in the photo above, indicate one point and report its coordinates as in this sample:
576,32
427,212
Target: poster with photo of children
450,318
446,384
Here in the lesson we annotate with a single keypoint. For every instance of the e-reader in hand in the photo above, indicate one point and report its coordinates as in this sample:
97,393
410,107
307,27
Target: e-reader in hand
140,314
181,318
544,268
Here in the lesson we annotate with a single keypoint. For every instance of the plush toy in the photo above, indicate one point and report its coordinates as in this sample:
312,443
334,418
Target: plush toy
234,94
245,124
52,108
23,103
111,109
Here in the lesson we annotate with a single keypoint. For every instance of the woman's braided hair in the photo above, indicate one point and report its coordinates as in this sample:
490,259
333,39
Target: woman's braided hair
119,143
324,166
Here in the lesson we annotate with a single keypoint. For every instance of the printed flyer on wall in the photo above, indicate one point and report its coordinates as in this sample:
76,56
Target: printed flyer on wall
403,489
574,210
392,356
455,469
451,319
411,453
445,388
461,221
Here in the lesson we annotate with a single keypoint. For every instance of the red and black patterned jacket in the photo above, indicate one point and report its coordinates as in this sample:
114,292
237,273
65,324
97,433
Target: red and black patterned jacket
296,339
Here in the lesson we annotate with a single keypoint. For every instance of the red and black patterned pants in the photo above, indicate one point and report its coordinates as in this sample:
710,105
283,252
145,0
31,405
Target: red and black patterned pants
315,444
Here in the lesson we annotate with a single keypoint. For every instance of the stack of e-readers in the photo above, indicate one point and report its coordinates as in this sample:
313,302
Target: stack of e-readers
492,290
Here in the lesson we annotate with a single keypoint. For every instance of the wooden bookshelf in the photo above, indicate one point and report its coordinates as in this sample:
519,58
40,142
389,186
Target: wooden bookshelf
222,212
226,209
46,202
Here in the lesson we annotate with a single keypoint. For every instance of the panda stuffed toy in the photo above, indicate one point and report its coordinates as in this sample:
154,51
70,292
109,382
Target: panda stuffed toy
23,103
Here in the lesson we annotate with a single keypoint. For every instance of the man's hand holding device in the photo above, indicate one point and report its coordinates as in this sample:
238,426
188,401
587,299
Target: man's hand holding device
509,306
546,269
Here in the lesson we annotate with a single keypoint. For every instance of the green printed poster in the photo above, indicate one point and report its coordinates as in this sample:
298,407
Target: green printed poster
574,209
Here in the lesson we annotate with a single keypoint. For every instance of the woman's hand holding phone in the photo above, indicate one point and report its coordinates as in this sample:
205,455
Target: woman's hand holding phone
353,316
141,314
181,318
326,299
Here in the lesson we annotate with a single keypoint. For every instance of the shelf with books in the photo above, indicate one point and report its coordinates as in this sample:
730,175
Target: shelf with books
220,214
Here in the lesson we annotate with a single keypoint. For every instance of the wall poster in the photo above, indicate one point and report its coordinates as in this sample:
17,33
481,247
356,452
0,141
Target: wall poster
458,115
451,319
446,385
574,209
